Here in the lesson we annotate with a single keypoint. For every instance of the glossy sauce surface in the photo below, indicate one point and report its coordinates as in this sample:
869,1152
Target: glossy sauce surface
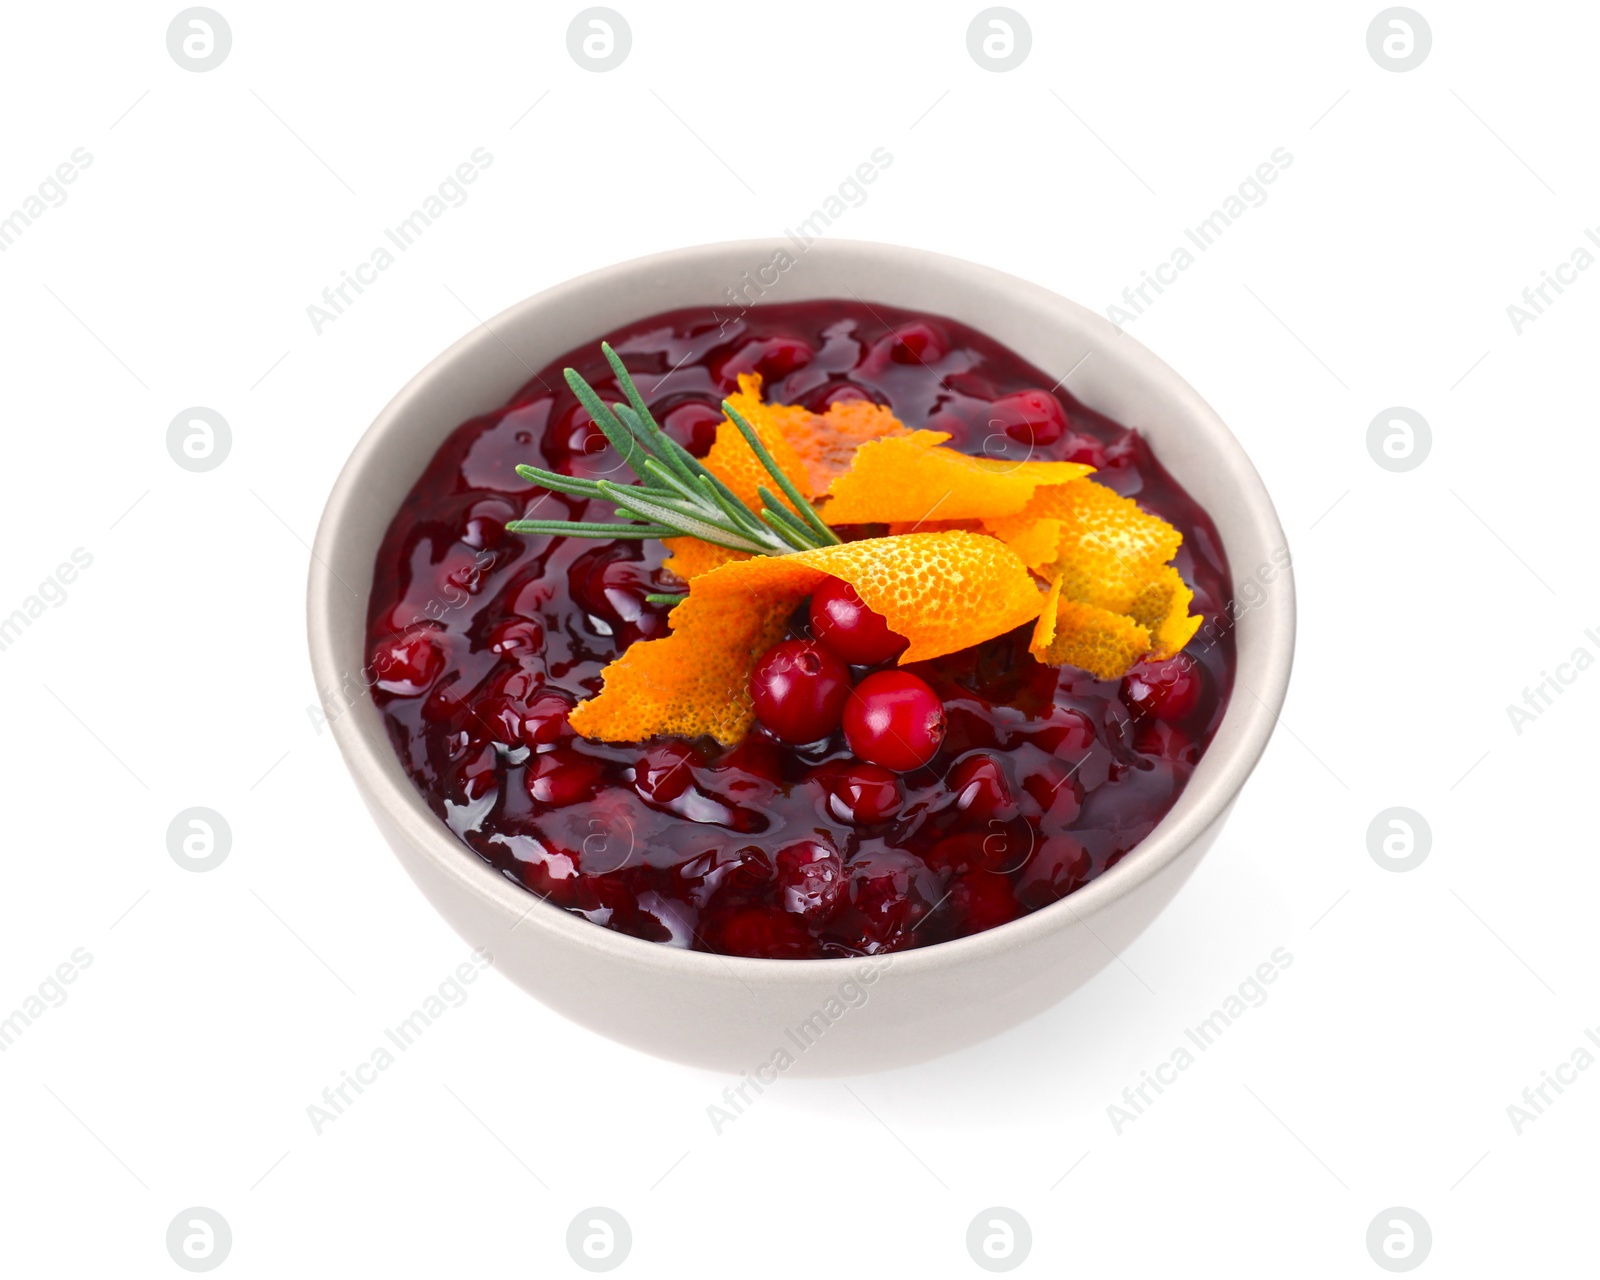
480,641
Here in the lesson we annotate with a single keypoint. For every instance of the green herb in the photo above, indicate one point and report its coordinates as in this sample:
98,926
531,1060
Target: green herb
676,495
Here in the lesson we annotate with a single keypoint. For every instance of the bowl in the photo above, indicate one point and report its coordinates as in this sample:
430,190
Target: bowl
801,1017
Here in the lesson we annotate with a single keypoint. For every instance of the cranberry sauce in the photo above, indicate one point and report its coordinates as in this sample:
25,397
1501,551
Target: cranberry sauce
481,641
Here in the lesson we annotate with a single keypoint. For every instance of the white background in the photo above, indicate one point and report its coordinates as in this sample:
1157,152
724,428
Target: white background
219,1005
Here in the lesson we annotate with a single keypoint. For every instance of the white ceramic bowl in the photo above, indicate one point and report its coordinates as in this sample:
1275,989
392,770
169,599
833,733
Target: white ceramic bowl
811,1017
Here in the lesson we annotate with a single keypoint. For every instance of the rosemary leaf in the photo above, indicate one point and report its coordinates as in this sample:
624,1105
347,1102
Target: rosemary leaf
622,440
624,496
589,529
804,508
786,522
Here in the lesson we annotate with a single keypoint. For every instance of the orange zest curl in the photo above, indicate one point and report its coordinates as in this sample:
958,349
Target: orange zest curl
911,478
811,449
1071,633
734,462
1116,601
942,591
1114,597
827,443
1107,548
690,557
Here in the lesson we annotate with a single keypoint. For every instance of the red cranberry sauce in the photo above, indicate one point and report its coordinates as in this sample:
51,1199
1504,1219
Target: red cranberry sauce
481,641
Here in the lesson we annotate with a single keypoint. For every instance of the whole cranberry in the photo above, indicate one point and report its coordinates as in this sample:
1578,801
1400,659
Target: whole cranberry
864,794
753,765
799,690
1058,866
1080,447
998,846
980,786
609,584
462,573
546,719
1165,742
916,343
895,720
562,777
407,664
1167,690
501,704
485,525
547,870
665,771
446,702
964,851
981,900
1066,733
521,636
724,875
810,878
1054,787
757,930
693,424
832,393
478,775
772,358
883,913
1029,417
576,446
859,635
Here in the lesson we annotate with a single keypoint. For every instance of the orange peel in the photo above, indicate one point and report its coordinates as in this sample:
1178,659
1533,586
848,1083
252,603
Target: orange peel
1114,599
1071,633
1108,548
811,449
901,478
690,557
734,462
827,443
942,591
1164,609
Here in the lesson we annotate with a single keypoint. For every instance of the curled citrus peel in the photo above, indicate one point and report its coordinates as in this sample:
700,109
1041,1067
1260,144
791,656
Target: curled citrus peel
811,449
968,540
690,557
734,462
827,443
1071,633
901,478
941,591
1115,598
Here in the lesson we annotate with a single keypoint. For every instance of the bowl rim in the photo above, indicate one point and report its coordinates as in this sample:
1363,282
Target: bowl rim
1242,734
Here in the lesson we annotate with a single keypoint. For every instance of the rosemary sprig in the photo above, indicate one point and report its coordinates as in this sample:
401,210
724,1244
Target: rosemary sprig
676,494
